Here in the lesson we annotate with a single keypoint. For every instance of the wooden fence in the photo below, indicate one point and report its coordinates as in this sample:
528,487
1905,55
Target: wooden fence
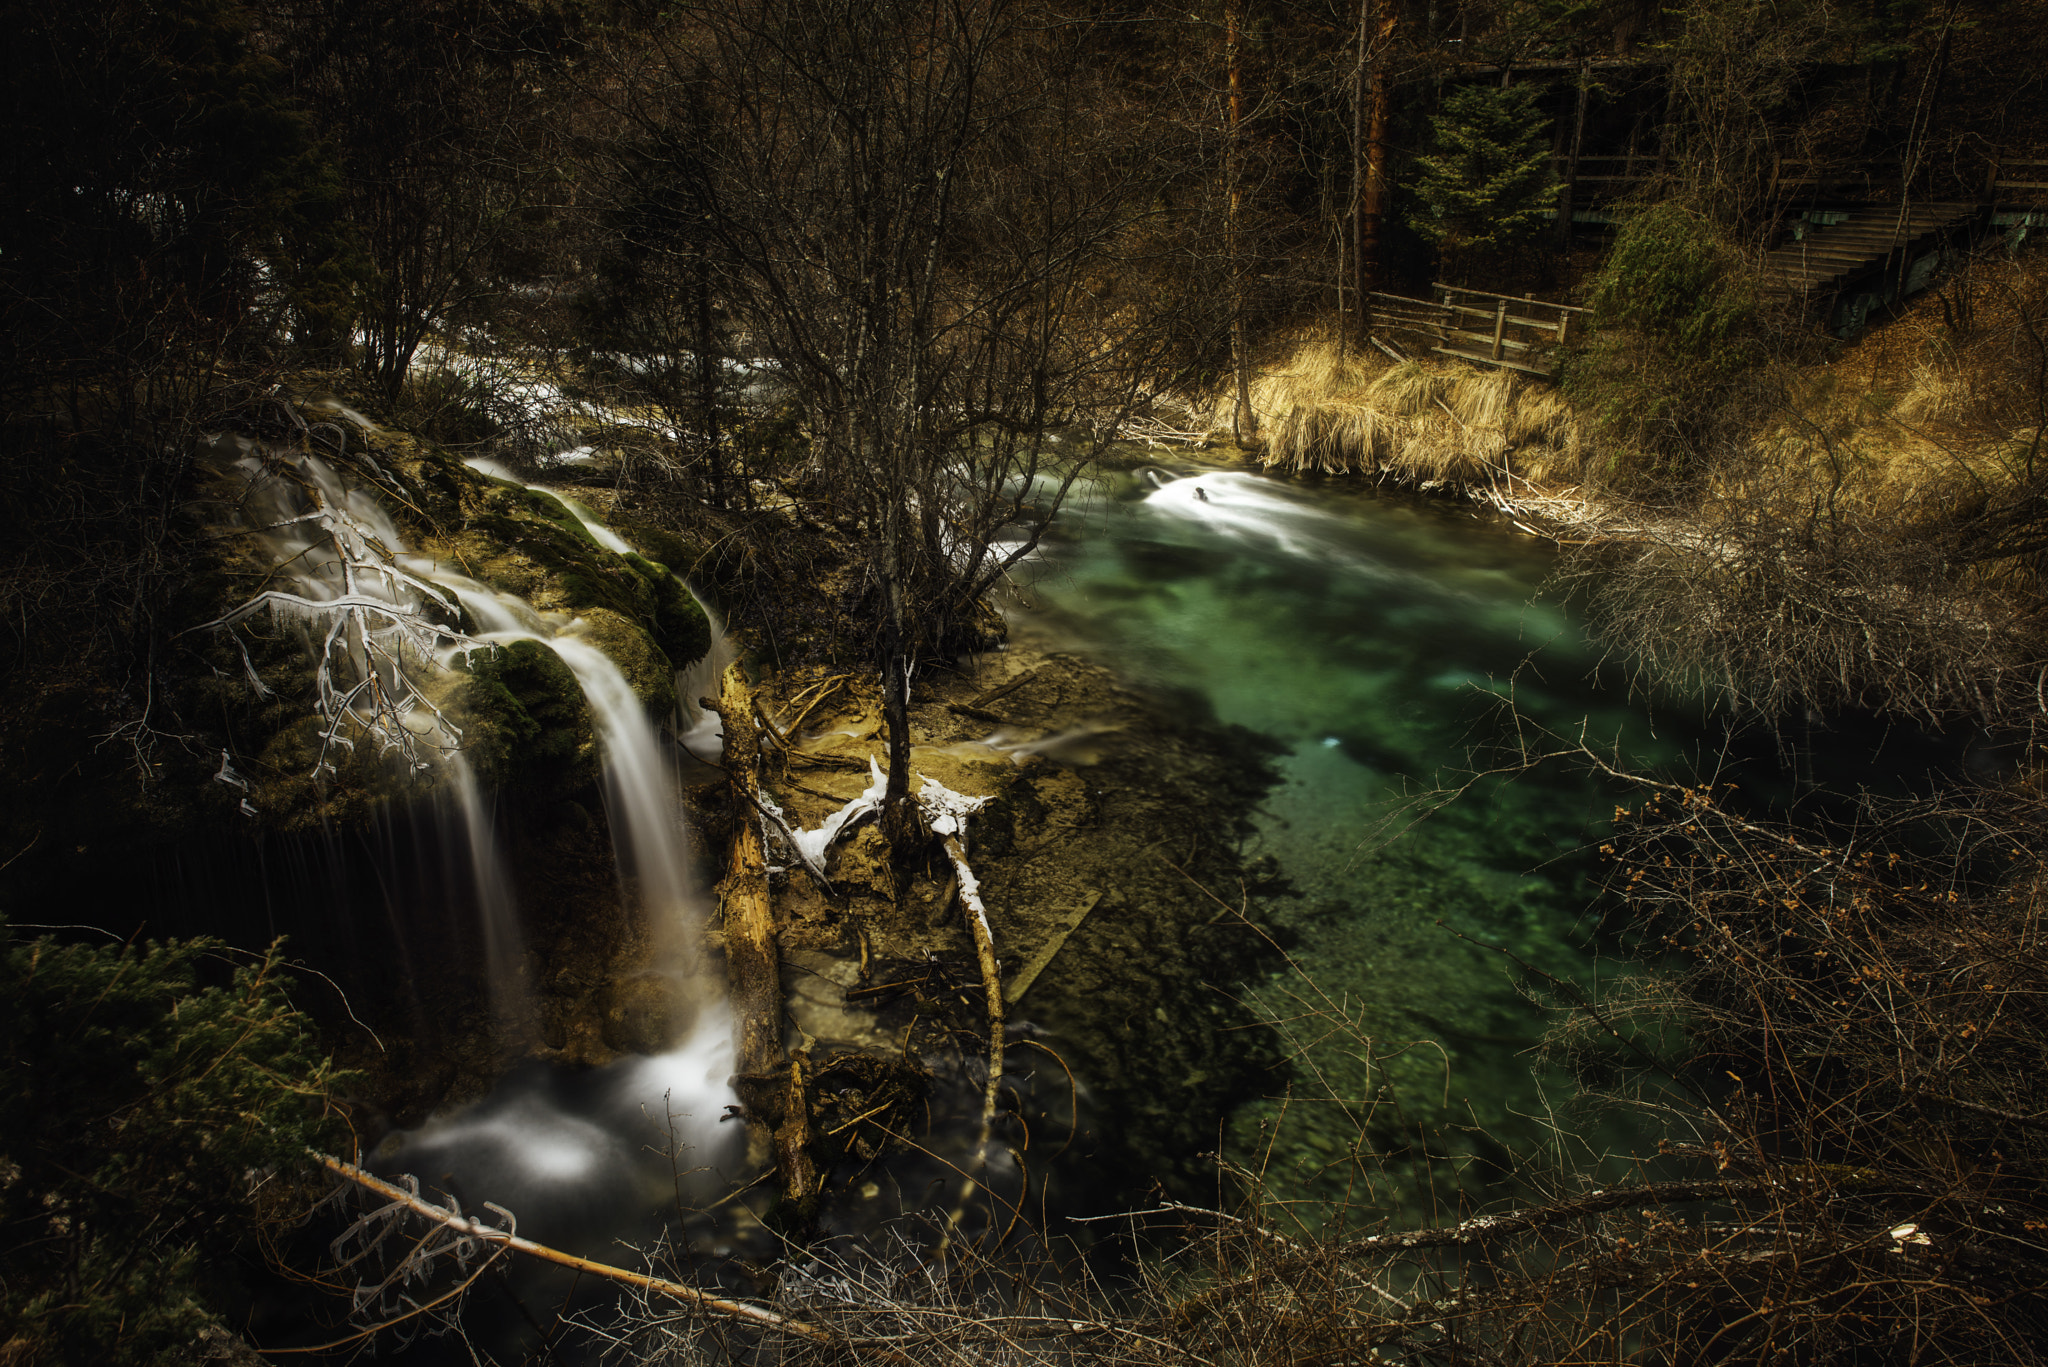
2018,180
1472,325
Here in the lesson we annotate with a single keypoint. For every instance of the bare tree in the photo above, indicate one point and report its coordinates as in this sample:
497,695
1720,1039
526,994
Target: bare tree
915,211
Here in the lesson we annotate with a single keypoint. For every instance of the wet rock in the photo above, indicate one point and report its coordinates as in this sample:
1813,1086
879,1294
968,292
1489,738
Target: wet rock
525,724
639,1013
630,647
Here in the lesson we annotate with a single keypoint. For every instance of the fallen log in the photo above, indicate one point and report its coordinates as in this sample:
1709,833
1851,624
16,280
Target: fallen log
946,812
770,1084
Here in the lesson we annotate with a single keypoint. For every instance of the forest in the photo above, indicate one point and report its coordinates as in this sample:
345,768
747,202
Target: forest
645,618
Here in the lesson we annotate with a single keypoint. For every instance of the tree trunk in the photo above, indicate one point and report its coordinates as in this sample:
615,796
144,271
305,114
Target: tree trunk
707,387
1360,271
770,1084
1375,18
900,823
1566,191
1244,423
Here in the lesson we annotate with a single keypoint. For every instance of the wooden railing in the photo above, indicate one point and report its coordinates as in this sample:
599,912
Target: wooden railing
2025,178
2004,175
1473,325
1608,170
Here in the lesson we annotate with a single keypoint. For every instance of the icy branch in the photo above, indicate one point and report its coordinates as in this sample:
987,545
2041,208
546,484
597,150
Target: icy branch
381,625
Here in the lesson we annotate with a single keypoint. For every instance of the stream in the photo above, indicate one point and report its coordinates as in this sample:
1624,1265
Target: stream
1379,640
1389,648
1388,643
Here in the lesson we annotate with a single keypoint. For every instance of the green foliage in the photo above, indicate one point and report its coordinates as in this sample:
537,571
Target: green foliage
1677,328
1670,274
140,1113
526,726
1488,185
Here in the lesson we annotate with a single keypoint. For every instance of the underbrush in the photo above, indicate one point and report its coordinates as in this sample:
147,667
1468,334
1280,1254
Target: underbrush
1877,538
1328,410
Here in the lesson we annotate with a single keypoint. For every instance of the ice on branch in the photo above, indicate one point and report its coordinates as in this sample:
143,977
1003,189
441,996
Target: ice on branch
380,630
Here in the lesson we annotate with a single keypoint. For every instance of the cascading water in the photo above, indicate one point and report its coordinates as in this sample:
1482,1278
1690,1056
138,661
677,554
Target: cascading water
383,620
698,728
497,904
641,797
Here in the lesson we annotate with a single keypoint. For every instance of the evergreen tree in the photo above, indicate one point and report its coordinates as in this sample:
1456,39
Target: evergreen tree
1489,184
141,1114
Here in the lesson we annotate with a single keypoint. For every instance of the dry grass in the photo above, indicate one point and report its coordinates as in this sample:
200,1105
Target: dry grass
1420,422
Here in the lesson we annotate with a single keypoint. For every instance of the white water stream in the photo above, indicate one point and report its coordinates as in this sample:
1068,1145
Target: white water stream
334,543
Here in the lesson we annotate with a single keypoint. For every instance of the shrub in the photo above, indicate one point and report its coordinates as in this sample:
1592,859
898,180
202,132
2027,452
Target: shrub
1677,336
140,1113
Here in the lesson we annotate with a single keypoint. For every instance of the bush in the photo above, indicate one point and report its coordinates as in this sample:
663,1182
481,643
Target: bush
1677,338
140,1114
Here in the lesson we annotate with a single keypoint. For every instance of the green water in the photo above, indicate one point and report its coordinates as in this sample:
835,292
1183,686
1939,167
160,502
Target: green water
1385,642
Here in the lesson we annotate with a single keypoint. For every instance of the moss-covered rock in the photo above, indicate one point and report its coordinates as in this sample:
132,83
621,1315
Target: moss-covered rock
661,544
646,667
525,724
680,627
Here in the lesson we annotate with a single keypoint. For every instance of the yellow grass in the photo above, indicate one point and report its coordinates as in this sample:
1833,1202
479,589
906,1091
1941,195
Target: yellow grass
1422,422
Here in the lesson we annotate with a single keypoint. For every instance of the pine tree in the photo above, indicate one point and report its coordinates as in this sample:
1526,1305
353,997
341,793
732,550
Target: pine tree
143,1112
1489,185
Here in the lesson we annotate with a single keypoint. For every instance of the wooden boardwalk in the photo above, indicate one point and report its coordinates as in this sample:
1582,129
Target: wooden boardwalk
1870,239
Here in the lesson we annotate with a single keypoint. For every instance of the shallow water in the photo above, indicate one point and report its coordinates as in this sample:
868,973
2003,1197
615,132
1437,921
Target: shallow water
1379,640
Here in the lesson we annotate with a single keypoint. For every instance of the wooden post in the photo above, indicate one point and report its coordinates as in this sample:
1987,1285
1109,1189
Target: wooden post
1500,326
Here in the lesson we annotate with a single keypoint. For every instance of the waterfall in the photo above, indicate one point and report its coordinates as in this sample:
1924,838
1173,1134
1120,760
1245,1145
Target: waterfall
496,903
641,800
332,539
698,728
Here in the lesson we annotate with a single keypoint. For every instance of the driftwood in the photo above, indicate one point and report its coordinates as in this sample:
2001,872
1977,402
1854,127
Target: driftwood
1069,921
946,813
770,1084
486,1234
1480,1229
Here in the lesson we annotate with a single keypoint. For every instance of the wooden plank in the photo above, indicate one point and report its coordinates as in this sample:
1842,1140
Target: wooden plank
1513,298
1064,925
1486,339
1543,324
1808,251
1488,360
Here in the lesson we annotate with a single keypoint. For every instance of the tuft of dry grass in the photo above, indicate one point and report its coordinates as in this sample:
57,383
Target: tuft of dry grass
1330,411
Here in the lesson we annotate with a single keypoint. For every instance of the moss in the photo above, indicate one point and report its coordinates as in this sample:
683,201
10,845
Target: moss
525,724
546,507
680,628
666,547
633,650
